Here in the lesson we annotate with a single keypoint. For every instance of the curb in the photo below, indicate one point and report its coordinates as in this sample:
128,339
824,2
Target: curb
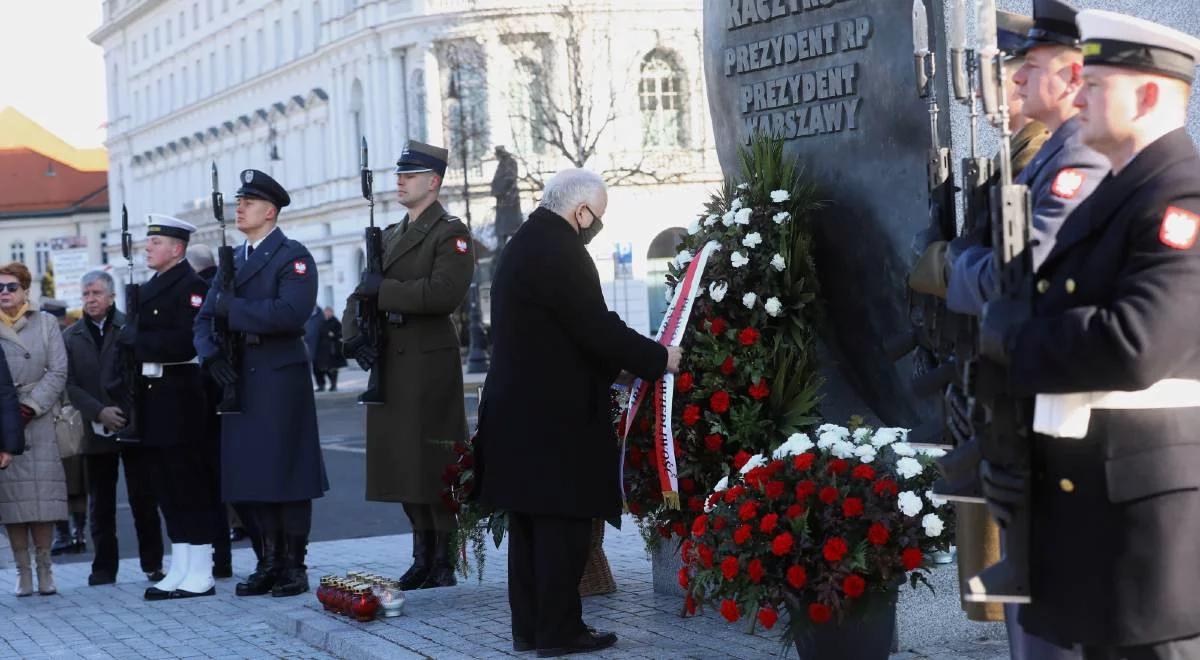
334,636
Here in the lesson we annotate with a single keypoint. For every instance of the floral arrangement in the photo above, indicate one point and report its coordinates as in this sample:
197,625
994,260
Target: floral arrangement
749,374
814,529
475,521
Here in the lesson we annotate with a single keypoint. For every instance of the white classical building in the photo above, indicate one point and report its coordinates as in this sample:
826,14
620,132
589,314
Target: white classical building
290,86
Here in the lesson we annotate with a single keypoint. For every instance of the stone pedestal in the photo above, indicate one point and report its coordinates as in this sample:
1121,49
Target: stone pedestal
665,563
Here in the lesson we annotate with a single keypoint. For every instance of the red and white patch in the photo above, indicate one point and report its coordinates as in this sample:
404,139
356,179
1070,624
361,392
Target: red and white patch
461,246
299,267
1179,228
196,300
1067,183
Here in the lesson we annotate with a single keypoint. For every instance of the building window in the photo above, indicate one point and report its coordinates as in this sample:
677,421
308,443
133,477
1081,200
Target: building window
261,45
184,81
228,65
137,105
181,24
18,251
661,98
133,52
212,72
530,107
242,56
278,42
104,253
357,118
145,45
297,34
195,15
43,257
208,10
157,40
316,42
171,93
199,81
168,32
419,126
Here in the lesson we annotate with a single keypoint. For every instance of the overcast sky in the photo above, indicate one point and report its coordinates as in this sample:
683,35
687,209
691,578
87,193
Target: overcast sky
49,71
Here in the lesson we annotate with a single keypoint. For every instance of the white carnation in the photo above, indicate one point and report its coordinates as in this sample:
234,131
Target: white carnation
711,220
936,500
780,196
694,228
752,240
781,217
860,434
834,428
743,186
932,452
797,443
757,460
736,204
749,299
865,453
778,263
903,449
669,294
842,449
727,219
721,485
683,258
738,259
885,436
933,525
742,217
910,504
908,467
717,291
773,306
828,434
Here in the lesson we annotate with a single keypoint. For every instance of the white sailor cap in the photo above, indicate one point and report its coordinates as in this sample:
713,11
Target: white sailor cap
165,225
1114,39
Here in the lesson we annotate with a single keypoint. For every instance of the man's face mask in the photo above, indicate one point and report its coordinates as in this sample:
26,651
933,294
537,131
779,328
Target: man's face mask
589,232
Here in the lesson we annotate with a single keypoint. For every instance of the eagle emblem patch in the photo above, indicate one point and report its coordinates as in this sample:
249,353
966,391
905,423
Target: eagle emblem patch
1179,228
196,300
1067,184
299,267
461,246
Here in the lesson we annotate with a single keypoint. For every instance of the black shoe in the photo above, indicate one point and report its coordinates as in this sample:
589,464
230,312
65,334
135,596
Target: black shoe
442,573
98,578
586,642
521,645
293,580
154,593
222,571
416,574
156,576
180,593
333,389
268,571
236,534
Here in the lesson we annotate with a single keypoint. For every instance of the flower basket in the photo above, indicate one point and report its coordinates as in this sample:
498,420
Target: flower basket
597,576
864,633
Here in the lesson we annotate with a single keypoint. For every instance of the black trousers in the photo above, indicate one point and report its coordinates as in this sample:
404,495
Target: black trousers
430,517
278,519
319,376
546,558
185,487
102,477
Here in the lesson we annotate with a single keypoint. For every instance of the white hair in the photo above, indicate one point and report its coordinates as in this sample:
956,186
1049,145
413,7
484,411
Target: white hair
569,188
98,276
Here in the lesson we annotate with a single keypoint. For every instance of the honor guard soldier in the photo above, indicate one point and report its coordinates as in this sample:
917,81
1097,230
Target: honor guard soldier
1112,357
271,464
427,269
171,391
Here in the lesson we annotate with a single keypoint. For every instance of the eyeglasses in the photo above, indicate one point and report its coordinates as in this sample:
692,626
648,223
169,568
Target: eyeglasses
11,287
594,216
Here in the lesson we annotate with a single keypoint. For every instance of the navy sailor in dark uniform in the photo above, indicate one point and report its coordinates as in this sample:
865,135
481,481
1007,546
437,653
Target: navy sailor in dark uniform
173,403
1112,357
271,460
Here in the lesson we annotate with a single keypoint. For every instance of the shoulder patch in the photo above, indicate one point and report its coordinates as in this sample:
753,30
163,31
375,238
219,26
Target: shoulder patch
1179,228
461,245
299,267
1068,182
196,300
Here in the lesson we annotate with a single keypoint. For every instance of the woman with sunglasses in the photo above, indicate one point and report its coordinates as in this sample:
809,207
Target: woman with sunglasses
33,488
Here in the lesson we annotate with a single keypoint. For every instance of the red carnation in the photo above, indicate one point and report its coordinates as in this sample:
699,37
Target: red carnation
852,506
760,390
735,492
691,414
853,586
794,511
718,326
695,503
819,613
803,461
740,459
835,549
727,366
706,556
782,544
729,567
885,487
797,576
678,528
687,485
729,610
767,525
877,534
864,472
719,402
635,508
690,604
755,477
911,559
838,466
742,534
684,382
713,442
685,551
718,523
683,578
828,495
755,570
748,511
748,337
805,488
700,525
767,617
774,490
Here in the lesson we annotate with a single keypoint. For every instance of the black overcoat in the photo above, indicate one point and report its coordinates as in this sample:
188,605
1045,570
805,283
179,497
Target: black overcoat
12,429
84,388
1116,527
546,425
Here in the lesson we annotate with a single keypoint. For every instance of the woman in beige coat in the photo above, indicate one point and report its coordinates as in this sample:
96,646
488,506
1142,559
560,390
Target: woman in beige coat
33,490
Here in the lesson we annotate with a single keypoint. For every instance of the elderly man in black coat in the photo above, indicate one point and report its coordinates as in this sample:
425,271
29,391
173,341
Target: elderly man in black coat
546,431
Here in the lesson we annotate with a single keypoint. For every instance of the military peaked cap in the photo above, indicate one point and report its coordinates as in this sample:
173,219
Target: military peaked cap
420,157
158,224
1053,25
1115,39
260,185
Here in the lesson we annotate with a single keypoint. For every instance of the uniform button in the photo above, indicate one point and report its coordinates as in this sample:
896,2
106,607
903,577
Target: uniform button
149,386
1066,485
1043,286
156,312
1070,285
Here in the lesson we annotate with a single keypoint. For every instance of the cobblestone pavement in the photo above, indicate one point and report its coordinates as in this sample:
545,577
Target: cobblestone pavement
468,621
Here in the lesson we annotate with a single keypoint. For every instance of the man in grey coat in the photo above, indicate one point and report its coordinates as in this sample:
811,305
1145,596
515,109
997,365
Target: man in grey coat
91,342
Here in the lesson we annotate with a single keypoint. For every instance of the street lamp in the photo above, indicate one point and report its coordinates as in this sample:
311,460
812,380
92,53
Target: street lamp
477,359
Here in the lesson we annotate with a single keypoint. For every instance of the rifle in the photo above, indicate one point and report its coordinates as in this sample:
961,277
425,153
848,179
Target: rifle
231,342
370,323
1005,440
130,368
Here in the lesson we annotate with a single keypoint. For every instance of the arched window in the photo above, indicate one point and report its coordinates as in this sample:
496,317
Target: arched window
18,251
663,102
43,257
530,102
357,116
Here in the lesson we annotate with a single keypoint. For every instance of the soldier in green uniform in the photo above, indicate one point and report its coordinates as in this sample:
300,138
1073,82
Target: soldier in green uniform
427,269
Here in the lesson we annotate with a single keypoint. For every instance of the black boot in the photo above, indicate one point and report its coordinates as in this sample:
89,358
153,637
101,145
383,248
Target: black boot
293,581
266,573
416,575
79,532
62,538
442,573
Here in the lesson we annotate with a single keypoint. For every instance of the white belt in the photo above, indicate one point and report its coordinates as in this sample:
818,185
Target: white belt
155,369
1068,415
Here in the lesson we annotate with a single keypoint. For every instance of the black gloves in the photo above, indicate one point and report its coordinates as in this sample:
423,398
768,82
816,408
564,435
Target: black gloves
998,325
368,287
1003,489
362,351
221,307
221,371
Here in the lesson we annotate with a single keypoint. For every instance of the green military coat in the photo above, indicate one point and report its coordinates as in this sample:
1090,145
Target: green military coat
427,270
